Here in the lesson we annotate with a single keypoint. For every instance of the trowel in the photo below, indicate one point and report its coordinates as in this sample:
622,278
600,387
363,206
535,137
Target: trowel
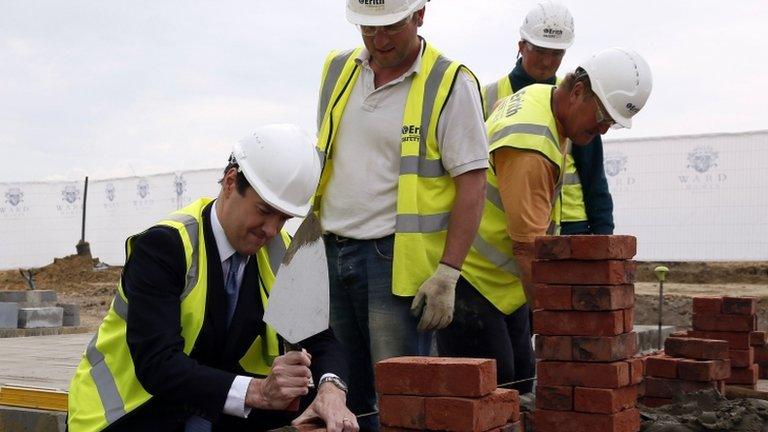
298,305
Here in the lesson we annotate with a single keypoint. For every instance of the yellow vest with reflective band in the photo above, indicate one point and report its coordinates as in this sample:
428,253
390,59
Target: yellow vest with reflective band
425,190
105,386
572,208
524,121
495,92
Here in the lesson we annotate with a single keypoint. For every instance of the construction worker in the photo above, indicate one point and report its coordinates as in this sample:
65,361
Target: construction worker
405,152
529,134
586,206
183,346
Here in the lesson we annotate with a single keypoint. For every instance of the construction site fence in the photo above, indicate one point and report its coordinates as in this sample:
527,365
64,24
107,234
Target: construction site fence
686,198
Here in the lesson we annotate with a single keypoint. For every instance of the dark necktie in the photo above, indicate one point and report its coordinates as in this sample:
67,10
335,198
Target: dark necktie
231,286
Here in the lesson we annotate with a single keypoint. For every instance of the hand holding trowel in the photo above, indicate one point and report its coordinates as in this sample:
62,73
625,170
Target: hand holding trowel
298,305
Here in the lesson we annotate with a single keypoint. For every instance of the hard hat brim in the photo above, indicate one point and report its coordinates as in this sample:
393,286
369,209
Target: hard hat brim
545,44
375,20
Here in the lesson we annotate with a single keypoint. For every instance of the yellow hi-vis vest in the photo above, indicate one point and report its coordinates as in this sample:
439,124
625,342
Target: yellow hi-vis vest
570,203
524,121
105,386
572,208
425,190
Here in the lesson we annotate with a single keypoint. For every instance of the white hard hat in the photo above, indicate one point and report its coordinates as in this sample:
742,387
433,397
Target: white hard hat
548,25
622,80
381,12
281,164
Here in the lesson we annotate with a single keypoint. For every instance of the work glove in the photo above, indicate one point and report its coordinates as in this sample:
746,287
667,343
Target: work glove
439,293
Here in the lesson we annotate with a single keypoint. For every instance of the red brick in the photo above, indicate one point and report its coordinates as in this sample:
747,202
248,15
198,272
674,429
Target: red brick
599,375
708,305
559,398
586,247
654,402
740,305
736,340
668,388
624,421
661,367
468,415
761,354
629,320
608,272
402,411
553,297
604,348
554,347
603,297
758,339
578,323
552,247
696,349
636,370
742,358
743,375
703,370
603,247
604,401
436,376
724,323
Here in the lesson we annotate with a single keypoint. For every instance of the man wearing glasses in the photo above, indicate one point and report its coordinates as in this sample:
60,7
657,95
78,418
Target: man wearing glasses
585,205
400,128
529,134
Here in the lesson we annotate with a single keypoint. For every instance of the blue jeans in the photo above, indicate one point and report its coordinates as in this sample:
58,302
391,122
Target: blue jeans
371,323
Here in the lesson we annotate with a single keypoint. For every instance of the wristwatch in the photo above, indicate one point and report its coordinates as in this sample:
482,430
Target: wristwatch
335,381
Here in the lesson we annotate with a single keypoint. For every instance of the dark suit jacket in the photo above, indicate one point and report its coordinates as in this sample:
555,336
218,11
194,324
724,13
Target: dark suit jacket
181,385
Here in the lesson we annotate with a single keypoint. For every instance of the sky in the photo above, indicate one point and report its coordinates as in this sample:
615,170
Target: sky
120,88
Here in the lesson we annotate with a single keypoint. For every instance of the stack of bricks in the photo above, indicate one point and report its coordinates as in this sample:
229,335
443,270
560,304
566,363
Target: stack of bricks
583,317
444,394
759,342
687,365
732,319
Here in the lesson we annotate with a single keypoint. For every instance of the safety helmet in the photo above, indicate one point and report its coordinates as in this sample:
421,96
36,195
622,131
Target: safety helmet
548,25
622,81
381,12
281,164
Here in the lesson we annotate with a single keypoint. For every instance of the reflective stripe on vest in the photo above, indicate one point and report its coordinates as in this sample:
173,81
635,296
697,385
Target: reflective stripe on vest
105,387
425,191
494,92
572,205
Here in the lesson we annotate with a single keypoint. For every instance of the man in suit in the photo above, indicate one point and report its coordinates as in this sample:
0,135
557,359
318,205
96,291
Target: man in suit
183,346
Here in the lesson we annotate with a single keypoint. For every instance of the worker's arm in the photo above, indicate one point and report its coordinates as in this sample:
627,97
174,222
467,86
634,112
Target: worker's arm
526,185
153,279
465,216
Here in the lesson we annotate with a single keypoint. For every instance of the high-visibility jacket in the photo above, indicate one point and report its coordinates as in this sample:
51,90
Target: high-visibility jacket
105,386
570,202
523,121
425,190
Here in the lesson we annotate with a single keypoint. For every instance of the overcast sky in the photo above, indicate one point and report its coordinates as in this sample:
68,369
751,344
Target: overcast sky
112,88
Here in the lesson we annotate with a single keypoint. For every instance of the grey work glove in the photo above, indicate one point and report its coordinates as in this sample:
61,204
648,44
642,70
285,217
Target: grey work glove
439,293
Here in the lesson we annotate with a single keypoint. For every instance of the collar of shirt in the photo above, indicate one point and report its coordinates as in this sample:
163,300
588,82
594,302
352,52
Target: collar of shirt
364,60
222,244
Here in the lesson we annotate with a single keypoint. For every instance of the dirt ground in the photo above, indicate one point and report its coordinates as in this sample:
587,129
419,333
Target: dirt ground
707,411
82,281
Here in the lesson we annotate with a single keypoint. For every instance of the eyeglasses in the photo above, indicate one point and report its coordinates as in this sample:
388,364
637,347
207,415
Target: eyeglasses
600,115
390,30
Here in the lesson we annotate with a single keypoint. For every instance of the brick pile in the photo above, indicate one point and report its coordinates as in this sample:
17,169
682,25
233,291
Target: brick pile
583,318
759,342
687,365
444,394
734,320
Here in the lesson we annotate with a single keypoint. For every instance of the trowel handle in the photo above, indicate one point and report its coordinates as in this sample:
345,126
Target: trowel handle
294,406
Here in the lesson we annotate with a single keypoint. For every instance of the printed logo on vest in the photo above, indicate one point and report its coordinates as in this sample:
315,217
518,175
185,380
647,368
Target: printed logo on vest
410,133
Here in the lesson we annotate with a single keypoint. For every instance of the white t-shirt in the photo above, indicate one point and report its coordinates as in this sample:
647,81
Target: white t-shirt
360,200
